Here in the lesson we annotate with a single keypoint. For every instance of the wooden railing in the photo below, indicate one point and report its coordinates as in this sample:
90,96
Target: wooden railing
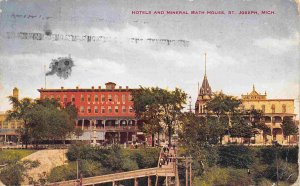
118,176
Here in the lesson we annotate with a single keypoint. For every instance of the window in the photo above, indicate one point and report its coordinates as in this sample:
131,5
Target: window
89,98
12,124
82,109
109,109
52,97
123,109
58,98
130,109
116,109
96,109
82,98
102,109
263,108
96,98
5,124
283,108
73,98
65,98
123,97
45,97
116,98
109,97
102,97
273,108
252,107
89,109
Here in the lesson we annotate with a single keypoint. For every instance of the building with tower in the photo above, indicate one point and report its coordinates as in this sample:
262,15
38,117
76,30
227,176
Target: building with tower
8,129
204,95
275,110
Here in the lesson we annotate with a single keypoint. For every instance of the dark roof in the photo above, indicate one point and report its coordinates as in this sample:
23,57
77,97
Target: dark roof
205,88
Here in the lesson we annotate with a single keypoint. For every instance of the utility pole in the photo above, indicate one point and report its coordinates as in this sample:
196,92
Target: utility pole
190,171
277,172
186,173
77,169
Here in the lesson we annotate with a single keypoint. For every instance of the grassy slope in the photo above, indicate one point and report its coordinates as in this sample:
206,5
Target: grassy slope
16,154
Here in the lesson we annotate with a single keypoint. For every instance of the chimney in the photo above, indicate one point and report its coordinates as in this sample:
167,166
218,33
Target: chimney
62,87
99,87
126,87
77,87
16,92
92,87
120,87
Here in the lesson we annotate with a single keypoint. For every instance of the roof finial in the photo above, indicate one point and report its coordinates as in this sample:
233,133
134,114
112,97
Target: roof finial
205,64
253,87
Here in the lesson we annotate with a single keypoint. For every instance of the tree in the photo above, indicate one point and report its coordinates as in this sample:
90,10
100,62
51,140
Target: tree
198,137
241,129
289,128
257,121
14,172
222,105
156,106
194,131
20,109
47,120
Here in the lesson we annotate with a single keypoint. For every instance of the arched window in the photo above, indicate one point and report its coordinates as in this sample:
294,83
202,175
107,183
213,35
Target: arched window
263,108
273,108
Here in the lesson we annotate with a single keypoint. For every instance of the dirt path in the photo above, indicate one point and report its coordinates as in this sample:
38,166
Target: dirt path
48,160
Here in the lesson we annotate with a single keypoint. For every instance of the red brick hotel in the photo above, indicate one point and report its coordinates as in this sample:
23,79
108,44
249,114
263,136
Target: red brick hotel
107,112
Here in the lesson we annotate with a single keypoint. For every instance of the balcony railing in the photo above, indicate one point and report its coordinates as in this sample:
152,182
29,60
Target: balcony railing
112,128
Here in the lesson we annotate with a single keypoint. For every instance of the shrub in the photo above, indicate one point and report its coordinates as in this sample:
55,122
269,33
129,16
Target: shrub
14,172
235,156
87,168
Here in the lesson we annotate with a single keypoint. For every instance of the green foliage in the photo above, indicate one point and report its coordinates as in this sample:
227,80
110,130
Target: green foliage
114,159
7,156
289,154
14,172
129,165
235,156
215,176
156,106
20,109
42,119
62,173
286,171
87,168
145,158
289,127
222,104
47,121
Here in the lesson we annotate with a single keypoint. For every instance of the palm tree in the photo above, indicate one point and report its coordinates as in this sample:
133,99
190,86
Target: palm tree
19,112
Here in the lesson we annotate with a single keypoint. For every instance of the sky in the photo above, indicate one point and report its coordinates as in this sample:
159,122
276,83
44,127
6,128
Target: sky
242,50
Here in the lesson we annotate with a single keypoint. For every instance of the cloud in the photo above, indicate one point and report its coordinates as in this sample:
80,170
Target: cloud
277,46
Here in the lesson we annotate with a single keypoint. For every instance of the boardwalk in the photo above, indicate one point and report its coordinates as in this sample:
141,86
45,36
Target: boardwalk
167,170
